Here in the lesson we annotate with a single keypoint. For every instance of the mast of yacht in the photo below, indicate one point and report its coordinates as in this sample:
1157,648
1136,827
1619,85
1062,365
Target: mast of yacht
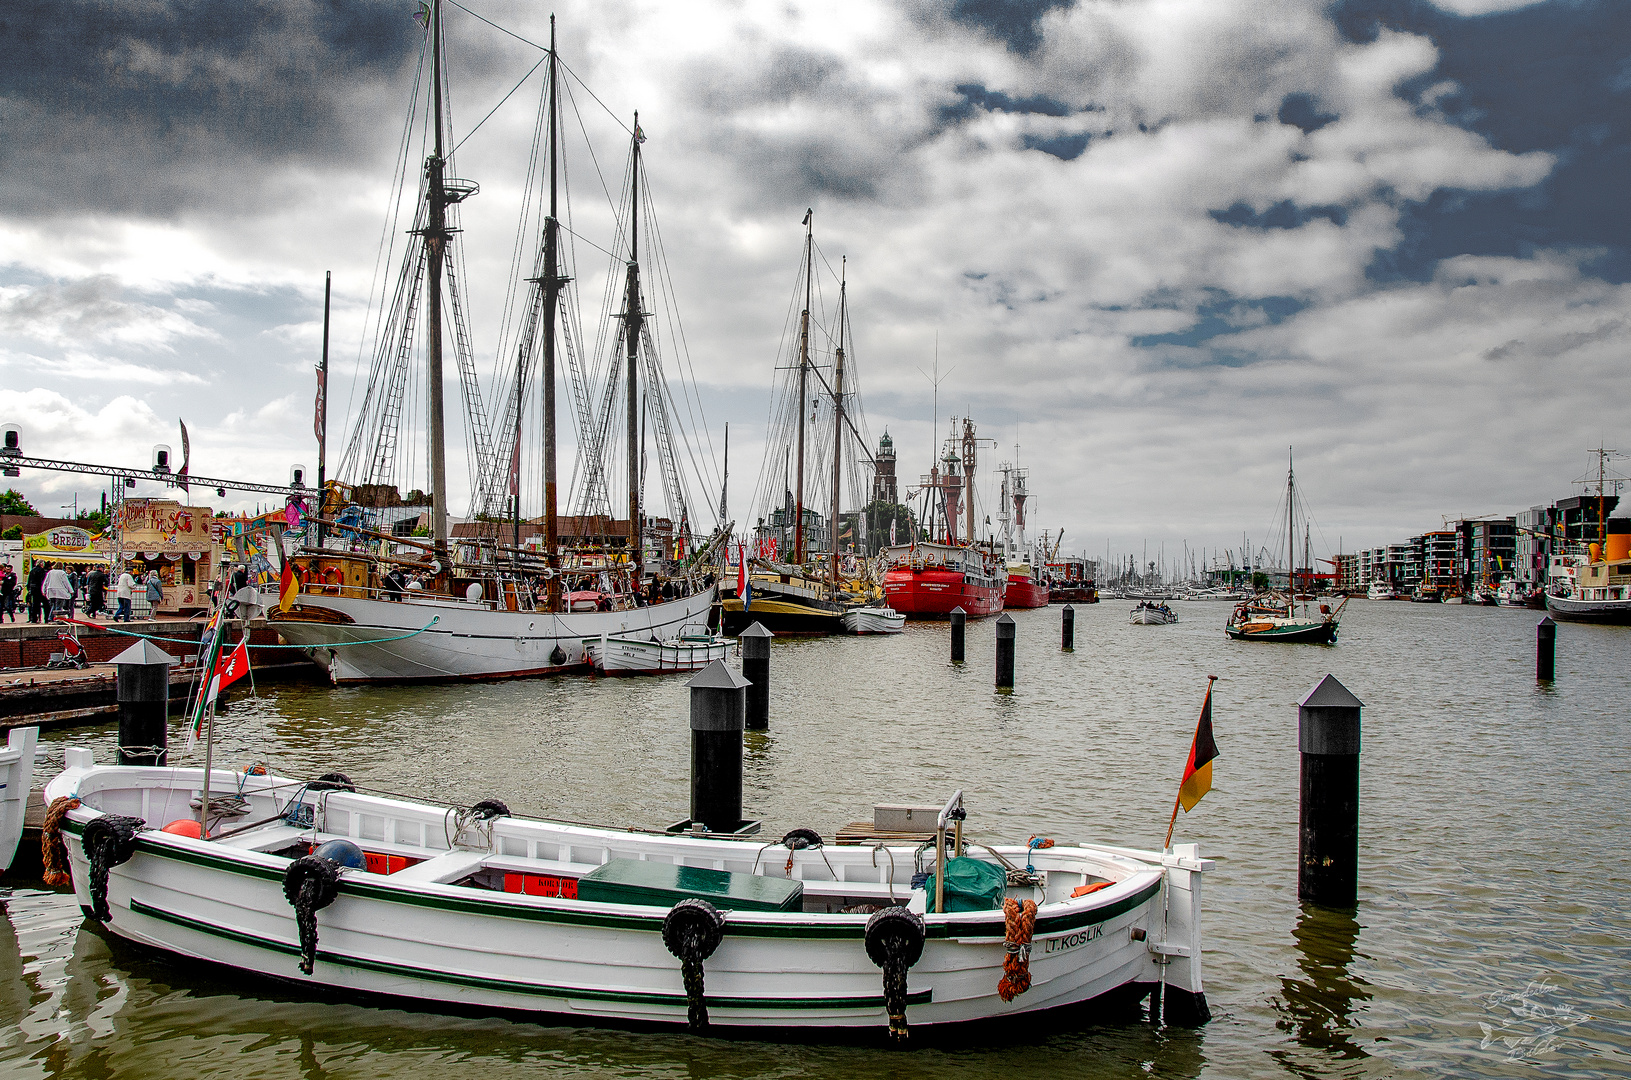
436,237
804,379
633,322
1291,533
838,423
552,283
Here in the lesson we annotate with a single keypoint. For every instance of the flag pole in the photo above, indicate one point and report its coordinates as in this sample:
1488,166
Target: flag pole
1178,799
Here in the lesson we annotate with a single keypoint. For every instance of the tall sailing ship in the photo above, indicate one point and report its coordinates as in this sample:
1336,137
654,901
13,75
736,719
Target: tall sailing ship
797,580
373,605
928,578
1024,589
1271,615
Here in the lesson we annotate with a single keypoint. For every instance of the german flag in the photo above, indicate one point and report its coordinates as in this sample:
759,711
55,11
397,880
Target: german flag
289,587
1198,770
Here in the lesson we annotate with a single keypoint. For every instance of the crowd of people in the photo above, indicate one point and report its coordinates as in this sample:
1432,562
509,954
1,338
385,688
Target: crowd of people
55,590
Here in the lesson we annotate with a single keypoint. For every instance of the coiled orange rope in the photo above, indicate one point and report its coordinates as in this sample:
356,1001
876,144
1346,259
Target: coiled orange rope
53,852
1016,965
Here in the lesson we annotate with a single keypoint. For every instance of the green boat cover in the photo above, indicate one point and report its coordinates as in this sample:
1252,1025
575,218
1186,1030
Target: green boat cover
659,884
971,885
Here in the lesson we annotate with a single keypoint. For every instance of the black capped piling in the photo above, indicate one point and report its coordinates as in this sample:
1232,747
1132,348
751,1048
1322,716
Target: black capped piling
718,716
142,688
1545,649
1005,651
1067,629
959,627
756,670
1328,738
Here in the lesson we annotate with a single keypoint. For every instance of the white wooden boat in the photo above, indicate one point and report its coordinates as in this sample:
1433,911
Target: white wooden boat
873,620
1381,590
1152,614
467,912
693,649
361,639
16,778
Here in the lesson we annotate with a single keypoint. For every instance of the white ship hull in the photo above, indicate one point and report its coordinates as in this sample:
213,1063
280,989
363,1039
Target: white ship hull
433,934
16,778
423,640
632,656
873,620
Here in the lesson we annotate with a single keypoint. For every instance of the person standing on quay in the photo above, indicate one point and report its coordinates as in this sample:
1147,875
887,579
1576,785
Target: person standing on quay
36,591
8,592
96,587
58,591
75,583
155,593
123,593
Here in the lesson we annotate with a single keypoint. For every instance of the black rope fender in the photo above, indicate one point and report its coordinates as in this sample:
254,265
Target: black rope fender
894,941
109,841
332,781
488,809
798,840
692,930
310,884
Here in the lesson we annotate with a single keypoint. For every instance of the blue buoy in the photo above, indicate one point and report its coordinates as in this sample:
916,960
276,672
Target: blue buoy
342,853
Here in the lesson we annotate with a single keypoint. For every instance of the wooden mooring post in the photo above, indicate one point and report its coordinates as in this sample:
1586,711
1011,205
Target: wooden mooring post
1545,649
1067,629
142,687
959,625
1328,846
756,670
1005,651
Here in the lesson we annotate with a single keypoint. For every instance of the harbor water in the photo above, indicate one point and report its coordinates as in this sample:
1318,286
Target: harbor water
1492,936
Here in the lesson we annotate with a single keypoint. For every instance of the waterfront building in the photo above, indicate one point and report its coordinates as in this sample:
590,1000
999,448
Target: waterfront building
1348,573
1404,564
1492,550
1532,546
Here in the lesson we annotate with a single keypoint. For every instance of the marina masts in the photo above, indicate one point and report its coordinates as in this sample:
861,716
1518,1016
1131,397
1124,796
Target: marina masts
838,425
436,238
804,380
552,290
633,322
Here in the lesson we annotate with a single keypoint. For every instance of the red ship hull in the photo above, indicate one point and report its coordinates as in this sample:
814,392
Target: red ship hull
1023,592
931,593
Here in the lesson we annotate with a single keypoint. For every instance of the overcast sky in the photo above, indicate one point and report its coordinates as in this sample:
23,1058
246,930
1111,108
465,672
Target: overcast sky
1159,241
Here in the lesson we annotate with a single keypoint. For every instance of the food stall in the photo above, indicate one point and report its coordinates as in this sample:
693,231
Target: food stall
175,540
67,545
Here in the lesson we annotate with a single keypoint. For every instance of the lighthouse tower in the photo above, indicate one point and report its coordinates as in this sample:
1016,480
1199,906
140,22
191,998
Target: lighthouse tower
883,477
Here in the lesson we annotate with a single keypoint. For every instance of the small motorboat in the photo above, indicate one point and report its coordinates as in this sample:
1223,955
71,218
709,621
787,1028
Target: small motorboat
16,780
1150,613
315,883
1273,617
881,619
693,649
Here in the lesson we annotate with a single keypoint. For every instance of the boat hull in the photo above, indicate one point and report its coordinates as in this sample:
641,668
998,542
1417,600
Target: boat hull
1288,632
632,656
1024,592
1605,612
873,620
784,617
364,640
932,593
445,943
1151,616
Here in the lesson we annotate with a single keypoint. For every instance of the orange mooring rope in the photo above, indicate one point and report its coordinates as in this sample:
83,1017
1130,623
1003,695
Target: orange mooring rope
1016,965
53,853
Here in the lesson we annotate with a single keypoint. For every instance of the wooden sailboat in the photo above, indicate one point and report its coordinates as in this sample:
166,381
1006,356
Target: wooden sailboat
1271,615
486,610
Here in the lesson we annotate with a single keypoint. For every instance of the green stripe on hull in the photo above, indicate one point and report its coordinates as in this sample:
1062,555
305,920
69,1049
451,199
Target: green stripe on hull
511,986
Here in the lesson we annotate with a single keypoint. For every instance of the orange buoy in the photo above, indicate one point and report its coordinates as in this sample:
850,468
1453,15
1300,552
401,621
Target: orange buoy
184,827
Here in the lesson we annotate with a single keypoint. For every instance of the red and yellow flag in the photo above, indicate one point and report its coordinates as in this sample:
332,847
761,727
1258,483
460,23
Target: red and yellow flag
289,588
1198,769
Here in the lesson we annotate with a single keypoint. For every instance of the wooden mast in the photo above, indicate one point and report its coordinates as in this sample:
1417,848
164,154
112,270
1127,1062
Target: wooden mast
838,425
436,238
552,291
1291,533
804,379
633,321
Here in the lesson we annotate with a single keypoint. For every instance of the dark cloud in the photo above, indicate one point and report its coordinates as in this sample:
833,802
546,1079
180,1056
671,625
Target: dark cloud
1300,111
1067,147
132,106
1550,77
1016,23
972,98
1282,215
